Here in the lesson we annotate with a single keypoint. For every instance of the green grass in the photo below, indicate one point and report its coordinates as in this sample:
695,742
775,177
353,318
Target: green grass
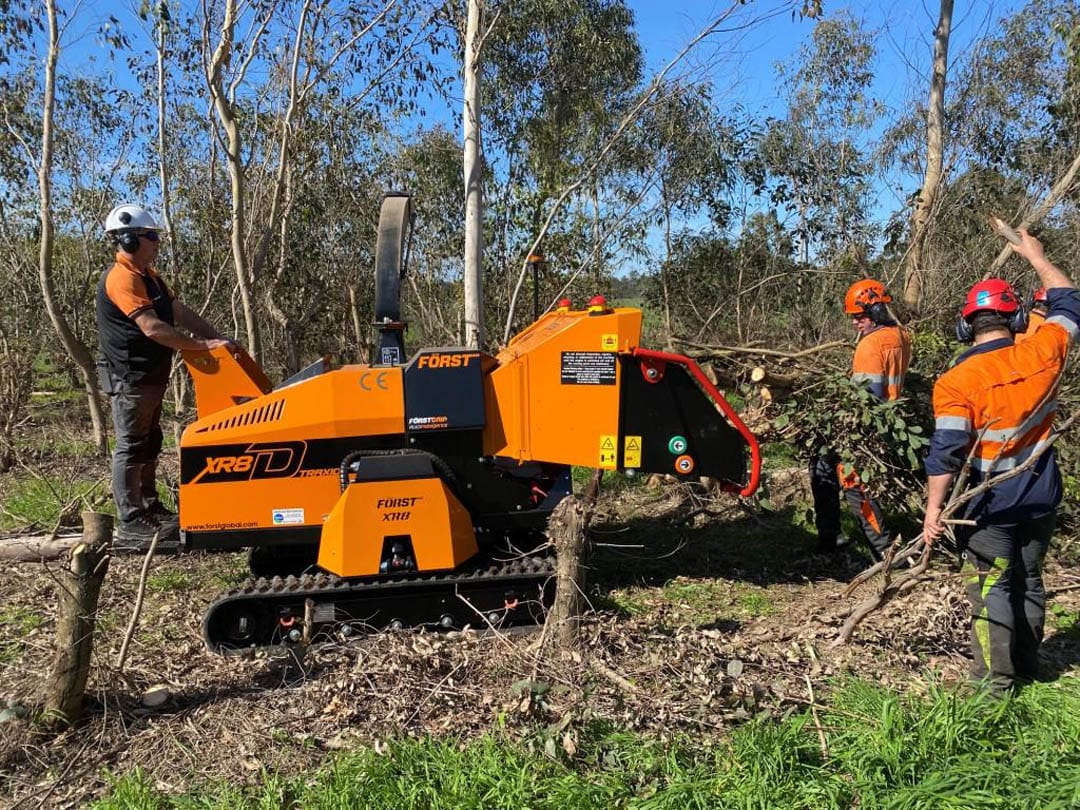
169,581
881,751
700,601
39,500
16,622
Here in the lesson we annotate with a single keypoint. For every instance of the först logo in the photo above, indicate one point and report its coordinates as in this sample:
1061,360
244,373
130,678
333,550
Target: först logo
279,460
445,360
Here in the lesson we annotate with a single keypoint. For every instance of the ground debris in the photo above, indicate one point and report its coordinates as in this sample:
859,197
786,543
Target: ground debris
695,636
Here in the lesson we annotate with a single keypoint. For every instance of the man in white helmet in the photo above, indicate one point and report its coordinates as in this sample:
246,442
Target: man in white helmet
138,318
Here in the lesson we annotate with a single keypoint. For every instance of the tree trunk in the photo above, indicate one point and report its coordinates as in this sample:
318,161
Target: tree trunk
915,263
75,348
474,189
80,585
566,530
215,80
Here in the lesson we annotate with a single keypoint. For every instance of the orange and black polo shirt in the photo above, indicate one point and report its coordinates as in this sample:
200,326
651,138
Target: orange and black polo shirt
123,292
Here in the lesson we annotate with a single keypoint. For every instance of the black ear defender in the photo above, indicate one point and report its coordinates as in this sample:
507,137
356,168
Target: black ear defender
878,312
128,241
964,332
1018,323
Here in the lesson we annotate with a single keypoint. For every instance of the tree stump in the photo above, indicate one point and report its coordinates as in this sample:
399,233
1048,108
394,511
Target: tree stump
80,586
566,530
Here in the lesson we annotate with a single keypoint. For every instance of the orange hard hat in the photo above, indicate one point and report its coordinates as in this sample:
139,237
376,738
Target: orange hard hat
863,294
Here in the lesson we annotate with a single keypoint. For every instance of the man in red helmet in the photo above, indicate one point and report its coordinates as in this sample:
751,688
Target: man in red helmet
1036,314
880,362
997,404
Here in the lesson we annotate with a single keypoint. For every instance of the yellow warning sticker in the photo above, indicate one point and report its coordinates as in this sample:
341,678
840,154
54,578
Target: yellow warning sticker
632,451
607,453
609,343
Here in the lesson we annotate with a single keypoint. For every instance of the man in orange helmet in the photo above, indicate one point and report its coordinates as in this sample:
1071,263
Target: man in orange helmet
880,362
997,405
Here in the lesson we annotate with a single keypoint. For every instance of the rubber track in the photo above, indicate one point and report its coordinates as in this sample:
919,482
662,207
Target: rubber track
529,567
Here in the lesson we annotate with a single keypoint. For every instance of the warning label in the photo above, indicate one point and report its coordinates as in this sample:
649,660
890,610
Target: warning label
632,451
607,453
609,343
587,368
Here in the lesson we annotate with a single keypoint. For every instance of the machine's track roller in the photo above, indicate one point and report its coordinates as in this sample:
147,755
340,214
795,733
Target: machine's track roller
267,611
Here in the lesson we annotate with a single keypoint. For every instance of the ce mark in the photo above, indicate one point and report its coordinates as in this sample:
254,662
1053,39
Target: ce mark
379,380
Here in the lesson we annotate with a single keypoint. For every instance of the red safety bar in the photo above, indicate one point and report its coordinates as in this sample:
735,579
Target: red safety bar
721,403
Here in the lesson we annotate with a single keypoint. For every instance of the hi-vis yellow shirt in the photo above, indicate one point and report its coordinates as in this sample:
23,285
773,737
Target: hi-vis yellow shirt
881,360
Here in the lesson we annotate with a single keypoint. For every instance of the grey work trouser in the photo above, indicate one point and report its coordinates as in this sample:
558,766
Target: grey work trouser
1003,574
136,411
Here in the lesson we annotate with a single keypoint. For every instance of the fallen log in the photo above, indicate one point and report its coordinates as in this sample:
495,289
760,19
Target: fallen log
37,548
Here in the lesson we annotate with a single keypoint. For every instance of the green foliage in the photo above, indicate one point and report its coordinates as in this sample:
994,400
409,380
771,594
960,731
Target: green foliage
884,750
883,441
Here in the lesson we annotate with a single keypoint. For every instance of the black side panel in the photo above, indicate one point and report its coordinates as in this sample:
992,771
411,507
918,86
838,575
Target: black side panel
444,391
660,412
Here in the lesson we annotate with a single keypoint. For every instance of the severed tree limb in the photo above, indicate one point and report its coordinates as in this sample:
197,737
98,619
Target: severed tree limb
37,548
835,344
910,580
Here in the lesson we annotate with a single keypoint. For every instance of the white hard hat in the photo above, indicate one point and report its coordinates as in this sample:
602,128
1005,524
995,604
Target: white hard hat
130,218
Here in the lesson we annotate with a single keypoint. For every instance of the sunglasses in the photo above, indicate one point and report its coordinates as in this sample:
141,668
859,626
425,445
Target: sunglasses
153,236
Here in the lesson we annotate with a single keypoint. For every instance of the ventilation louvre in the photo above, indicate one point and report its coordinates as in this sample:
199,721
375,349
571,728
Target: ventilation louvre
271,412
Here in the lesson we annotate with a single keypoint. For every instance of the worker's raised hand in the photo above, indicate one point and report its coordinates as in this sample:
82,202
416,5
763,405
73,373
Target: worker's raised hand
1030,247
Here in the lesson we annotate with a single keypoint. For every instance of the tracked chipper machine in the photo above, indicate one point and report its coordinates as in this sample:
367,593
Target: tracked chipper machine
403,494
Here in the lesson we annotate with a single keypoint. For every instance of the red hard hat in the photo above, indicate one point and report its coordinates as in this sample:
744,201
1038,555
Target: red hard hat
863,294
992,295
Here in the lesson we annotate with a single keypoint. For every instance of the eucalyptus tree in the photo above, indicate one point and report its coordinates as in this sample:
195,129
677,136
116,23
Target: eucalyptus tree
261,84
1011,137
817,154
557,76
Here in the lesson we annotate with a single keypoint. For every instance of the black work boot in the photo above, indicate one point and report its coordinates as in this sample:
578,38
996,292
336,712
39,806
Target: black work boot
162,514
137,534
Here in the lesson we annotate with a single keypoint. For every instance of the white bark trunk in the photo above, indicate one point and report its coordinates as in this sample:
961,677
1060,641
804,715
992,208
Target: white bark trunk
915,263
474,197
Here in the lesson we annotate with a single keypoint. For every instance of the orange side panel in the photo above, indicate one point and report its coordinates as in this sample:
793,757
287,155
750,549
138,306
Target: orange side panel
555,394
248,465
224,378
369,512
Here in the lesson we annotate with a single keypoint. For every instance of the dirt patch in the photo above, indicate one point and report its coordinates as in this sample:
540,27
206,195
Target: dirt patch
697,625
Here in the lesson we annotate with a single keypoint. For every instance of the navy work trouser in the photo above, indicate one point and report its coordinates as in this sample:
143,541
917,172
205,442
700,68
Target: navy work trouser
1003,576
825,485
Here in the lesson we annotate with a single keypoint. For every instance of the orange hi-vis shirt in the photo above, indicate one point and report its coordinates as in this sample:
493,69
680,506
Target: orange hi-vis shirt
1035,320
1000,398
881,360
